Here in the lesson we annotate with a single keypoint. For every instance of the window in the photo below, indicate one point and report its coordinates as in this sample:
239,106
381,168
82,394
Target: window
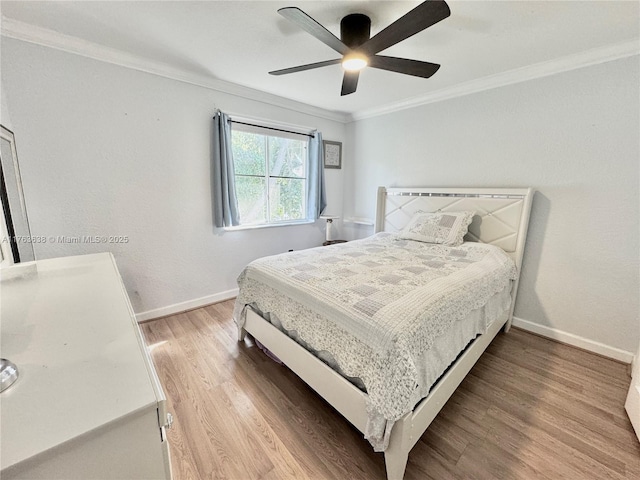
271,175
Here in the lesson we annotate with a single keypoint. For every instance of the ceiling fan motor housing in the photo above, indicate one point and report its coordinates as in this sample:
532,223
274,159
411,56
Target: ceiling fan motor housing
355,29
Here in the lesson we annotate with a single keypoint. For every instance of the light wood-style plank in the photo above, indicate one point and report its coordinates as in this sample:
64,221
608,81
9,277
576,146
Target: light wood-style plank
531,408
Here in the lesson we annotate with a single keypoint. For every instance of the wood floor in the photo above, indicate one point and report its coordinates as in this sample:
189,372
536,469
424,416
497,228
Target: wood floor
531,408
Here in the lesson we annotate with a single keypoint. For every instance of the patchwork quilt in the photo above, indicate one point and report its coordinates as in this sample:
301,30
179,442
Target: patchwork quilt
376,306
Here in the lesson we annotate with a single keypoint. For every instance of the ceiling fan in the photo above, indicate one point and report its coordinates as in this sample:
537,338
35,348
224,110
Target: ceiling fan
359,49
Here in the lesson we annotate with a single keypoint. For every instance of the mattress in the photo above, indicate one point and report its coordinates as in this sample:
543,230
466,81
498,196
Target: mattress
379,309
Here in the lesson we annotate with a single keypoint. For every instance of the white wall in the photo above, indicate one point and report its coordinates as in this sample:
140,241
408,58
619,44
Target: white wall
106,150
5,119
109,151
575,138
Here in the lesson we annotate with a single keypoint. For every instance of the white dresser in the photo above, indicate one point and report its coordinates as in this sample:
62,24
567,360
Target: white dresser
87,403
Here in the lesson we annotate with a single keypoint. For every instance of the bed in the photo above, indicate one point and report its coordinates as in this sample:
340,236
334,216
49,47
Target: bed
388,366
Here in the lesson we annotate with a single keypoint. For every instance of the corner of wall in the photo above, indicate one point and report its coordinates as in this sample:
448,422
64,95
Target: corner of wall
5,119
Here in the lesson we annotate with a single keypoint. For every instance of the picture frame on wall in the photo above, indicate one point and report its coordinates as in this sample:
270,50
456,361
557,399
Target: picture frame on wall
332,154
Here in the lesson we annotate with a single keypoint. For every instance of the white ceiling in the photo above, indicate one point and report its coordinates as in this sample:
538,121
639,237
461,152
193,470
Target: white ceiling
239,41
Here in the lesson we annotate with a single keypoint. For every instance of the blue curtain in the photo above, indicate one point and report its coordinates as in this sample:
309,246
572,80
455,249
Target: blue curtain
225,201
317,197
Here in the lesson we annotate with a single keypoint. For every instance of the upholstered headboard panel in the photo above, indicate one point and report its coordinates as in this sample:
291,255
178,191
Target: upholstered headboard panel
502,214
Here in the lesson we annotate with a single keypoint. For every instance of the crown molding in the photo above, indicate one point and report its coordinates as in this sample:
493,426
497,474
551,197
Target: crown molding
41,36
530,72
26,32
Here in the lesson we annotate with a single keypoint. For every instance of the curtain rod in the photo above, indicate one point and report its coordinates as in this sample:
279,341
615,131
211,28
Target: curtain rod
272,128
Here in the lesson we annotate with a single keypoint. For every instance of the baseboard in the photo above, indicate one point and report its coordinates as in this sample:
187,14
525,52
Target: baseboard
574,340
184,306
552,333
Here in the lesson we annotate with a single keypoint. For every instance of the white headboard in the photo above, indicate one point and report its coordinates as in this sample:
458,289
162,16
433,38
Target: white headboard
502,214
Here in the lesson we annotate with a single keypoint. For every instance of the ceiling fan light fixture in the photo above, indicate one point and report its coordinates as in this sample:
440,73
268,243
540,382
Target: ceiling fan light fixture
354,62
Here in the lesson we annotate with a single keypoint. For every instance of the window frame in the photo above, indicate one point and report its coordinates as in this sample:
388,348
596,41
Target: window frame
270,131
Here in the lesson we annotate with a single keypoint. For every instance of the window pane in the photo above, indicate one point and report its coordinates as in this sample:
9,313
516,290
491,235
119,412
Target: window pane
287,157
252,199
286,199
249,151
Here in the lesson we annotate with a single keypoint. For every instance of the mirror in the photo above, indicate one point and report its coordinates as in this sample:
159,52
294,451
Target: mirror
16,245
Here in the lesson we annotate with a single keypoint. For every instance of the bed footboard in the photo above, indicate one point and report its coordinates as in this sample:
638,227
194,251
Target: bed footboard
335,389
351,402
241,334
400,444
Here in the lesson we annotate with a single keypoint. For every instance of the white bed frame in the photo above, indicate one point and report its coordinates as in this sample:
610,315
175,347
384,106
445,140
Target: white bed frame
502,219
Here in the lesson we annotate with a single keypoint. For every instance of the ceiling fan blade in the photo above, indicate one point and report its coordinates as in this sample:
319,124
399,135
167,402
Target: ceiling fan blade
308,24
309,66
404,65
423,16
349,83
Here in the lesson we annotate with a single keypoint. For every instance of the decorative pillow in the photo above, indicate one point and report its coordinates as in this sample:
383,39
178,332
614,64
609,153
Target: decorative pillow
445,228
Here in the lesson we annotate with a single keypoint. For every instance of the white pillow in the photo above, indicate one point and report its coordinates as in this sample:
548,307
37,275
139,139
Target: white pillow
445,228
